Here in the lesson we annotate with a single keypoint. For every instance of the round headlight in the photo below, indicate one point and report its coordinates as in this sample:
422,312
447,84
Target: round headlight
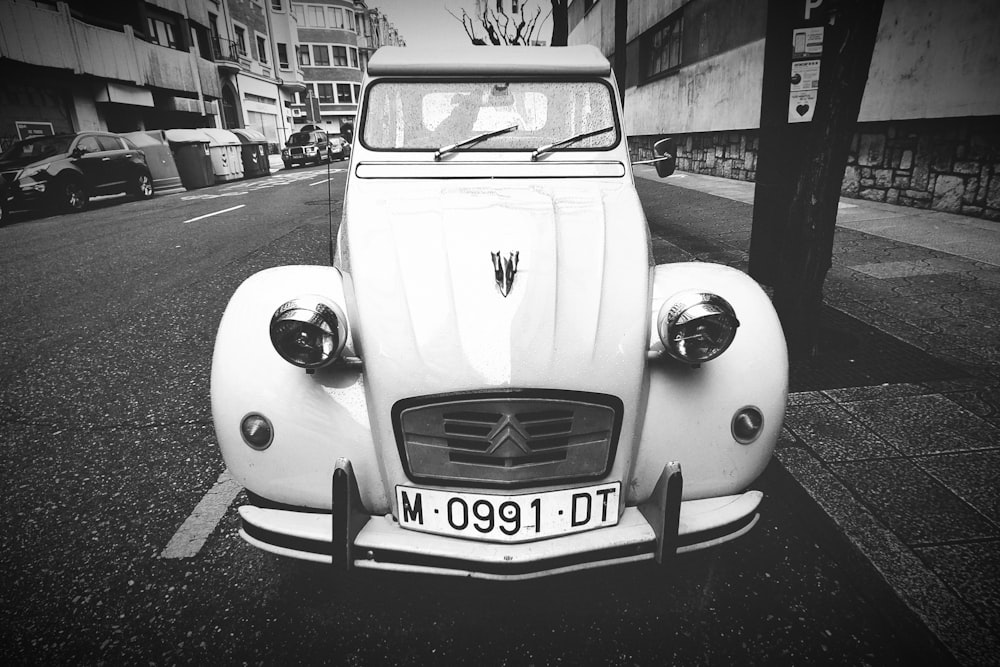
308,333
696,326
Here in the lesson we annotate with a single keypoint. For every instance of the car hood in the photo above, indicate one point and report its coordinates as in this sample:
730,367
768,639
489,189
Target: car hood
428,316
21,163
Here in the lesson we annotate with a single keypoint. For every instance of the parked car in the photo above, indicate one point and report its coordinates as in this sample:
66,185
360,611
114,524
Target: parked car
4,195
306,146
493,379
65,170
340,148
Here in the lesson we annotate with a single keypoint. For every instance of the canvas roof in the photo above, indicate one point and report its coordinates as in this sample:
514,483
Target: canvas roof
581,60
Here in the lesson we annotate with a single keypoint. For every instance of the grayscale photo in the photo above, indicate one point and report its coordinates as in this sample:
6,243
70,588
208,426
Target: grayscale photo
500,332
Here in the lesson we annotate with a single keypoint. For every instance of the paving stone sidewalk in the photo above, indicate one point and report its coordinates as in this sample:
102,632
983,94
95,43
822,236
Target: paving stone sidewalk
910,472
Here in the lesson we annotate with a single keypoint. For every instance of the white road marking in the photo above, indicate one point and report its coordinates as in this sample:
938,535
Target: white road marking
191,536
209,215
318,182
209,196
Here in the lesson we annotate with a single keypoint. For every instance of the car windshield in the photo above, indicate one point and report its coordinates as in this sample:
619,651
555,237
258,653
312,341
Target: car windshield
427,115
300,139
37,147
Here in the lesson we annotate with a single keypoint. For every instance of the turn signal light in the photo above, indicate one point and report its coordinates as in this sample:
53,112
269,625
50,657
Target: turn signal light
747,425
308,333
257,431
696,326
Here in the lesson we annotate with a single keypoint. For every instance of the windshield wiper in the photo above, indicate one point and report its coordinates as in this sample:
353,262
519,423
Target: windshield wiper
548,148
471,141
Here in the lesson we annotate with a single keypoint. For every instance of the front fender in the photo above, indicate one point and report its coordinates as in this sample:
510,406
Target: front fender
316,418
689,410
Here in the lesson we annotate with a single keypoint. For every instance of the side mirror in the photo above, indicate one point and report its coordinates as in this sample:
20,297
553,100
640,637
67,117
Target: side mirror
666,157
78,152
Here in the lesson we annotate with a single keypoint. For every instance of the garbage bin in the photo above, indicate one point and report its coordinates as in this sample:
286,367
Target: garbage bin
160,159
254,152
227,160
192,157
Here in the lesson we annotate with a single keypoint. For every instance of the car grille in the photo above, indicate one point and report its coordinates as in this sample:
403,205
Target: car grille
514,438
296,152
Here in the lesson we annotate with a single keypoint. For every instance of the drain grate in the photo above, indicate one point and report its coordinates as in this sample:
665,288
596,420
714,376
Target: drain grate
851,353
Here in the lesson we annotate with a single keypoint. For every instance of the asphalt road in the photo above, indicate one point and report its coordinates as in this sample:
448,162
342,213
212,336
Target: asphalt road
107,445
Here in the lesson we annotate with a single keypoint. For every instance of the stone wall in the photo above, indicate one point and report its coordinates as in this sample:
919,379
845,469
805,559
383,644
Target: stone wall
731,154
948,165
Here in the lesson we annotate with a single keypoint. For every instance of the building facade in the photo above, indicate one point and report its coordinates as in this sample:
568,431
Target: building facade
72,66
928,132
336,38
251,43
128,65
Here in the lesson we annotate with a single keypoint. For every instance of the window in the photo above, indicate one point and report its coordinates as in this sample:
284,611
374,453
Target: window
276,5
260,99
357,90
88,145
241,39
304,55
427,114
660,48
314,17
161,32
108,143
353,53
199,36
261,48
325,93
300,14
344,93
339,56
283,56
336,19
321,56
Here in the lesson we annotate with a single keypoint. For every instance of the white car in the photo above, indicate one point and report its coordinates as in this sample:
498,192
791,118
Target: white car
494,379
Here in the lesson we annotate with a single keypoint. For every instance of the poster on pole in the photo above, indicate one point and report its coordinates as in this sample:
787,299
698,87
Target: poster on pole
807,47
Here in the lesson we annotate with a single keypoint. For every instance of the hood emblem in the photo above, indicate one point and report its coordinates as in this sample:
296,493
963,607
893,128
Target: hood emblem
504,269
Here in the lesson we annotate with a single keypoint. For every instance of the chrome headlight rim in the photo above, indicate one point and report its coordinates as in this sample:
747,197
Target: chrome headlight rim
694,310
301,324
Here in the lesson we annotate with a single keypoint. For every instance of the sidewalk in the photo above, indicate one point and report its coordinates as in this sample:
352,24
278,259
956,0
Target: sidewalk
910,472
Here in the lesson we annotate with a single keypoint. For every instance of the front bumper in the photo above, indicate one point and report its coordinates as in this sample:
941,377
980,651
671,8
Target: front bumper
26,195
348,538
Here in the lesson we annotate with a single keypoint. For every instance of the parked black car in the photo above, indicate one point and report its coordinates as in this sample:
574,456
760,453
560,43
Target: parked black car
306,146
65,170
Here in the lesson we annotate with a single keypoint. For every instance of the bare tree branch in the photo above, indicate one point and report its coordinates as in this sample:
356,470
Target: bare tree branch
469,28
503,28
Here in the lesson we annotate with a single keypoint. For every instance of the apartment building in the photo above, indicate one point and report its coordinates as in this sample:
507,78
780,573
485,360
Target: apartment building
119,66
254,45
928,131
336,38
126,65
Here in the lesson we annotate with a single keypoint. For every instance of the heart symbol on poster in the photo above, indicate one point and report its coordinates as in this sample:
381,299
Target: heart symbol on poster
802,109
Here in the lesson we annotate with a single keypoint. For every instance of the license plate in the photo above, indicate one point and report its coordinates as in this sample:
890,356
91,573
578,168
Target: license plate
508,518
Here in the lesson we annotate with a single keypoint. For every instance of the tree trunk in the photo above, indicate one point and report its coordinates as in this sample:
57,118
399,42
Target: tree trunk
621,37
560,23
805,242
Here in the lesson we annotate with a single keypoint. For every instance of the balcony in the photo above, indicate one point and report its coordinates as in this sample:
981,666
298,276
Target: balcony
228,56
49,37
